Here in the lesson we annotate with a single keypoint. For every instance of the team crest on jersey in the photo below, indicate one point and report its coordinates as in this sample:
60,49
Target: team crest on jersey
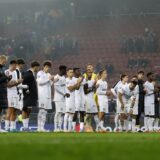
12,104
42,105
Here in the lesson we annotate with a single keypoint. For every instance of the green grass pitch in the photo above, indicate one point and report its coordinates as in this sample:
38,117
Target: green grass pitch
72,146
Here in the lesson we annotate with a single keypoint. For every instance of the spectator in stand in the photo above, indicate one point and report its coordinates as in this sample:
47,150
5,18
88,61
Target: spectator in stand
124,43
131,62
99,66
109,68
139,44
131,45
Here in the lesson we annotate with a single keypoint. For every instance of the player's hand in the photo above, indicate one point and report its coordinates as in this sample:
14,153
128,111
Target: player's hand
11,83
134,100
122,106
19,81
123,116
80,79
131,111
67,95
9,77
108,93
145,91
51,78
27,92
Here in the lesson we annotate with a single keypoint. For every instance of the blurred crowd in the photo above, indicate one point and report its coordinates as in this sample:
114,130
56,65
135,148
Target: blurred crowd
147,43
138,62
59,45
43,34
29,44
107,66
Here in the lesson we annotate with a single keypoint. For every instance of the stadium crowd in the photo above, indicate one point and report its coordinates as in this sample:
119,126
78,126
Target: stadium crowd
148,43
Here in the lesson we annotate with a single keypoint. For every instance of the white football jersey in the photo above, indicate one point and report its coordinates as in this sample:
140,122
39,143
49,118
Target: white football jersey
80,92
127,93
149,96
13,90
44,90
70,82
102,87
59,88
114,90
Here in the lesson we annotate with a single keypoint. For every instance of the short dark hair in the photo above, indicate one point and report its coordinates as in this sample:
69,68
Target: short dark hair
47,63
100,73
122,76
135,76
62,67
13,62
134,82
35,64
149,74
20,61
75,69
141,72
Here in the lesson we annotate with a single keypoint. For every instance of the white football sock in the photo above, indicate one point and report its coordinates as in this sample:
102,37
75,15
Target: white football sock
0,121
7,124
60,121
133,125
56,118
70,119
41,119
97,121
151,120
116,120
156,123
25,123
74,126
126,125
44,116
65,121
120,125
13,125
81,126
146,123
102,125
129,125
